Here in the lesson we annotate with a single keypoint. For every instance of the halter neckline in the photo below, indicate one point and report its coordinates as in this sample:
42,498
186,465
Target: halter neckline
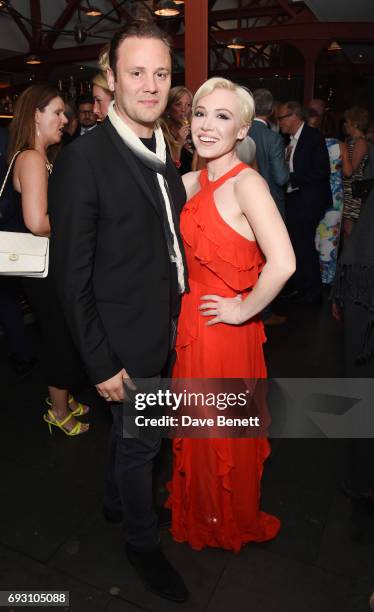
204,179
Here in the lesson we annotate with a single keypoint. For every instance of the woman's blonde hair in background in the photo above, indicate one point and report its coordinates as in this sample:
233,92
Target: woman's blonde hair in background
247,105
103,61
100,80
175,95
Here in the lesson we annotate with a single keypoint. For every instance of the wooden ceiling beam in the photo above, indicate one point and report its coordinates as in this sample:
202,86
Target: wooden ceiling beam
245,13
342,31
121,12
65,55
288,34
36,18
60,23
20,24
243,74
287,8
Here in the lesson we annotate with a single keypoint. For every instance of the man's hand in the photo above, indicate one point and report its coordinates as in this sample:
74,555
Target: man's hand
112,390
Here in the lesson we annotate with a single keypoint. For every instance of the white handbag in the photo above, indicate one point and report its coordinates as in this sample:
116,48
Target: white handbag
22,254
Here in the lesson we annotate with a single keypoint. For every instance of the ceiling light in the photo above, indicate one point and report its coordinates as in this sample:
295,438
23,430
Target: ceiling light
166,8
178,1
334,46
80,33
92,11
33,59
236,44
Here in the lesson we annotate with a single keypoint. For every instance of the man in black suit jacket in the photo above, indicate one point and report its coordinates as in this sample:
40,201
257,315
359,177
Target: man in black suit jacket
308,195
117,260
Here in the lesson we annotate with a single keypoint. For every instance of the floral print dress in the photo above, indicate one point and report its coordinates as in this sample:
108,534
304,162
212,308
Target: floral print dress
328,230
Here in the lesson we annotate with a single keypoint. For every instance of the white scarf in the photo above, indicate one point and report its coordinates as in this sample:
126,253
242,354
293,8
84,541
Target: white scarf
157,161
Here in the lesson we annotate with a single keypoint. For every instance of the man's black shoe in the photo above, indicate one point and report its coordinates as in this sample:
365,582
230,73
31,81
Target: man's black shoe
112,516
116,516
157,573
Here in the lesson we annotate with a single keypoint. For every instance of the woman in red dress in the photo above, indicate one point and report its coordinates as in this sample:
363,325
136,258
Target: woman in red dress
232,232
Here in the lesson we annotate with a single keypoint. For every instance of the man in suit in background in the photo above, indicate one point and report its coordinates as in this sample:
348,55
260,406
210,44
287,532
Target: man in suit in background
270,157
117,260
308,195
86,116
270,152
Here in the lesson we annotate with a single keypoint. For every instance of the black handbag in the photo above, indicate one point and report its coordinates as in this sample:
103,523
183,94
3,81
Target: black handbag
361,189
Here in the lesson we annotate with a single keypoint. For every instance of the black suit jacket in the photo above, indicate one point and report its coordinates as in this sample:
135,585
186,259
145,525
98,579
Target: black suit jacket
109,257
312,171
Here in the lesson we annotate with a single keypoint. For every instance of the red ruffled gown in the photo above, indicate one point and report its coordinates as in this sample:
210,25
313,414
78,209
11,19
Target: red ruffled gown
215,487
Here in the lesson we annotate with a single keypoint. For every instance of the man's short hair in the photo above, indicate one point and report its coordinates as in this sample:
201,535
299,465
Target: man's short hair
139,28
264,102
297,109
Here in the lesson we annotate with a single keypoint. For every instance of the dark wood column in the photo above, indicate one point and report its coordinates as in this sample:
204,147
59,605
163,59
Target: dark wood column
310,50
196,43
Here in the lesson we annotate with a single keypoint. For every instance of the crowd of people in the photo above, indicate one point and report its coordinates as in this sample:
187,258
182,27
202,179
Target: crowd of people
167,251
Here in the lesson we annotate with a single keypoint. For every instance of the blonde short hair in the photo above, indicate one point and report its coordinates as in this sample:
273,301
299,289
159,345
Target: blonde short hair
247,105
101,80
359,118
103,60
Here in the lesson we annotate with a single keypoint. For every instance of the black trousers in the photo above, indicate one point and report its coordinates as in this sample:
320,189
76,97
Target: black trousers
302,220
129,486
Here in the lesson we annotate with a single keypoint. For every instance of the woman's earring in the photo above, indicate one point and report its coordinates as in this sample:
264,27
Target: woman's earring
37,131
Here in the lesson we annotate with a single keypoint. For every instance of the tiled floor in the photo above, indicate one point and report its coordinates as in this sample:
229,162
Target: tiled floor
52,534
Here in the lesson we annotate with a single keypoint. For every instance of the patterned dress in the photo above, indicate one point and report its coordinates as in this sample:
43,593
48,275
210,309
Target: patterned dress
328,230
352,205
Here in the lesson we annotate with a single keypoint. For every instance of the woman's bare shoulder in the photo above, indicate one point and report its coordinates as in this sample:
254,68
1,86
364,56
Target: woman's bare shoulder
249,178
191,182
30,158
190,178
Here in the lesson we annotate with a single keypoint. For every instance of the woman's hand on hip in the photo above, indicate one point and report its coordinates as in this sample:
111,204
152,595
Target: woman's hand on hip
223,310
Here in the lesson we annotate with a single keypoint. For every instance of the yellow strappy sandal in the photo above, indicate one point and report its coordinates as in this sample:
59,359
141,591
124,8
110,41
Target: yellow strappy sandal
80,409
50,419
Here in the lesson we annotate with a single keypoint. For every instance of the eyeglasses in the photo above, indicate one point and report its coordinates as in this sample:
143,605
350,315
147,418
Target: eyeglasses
280,117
